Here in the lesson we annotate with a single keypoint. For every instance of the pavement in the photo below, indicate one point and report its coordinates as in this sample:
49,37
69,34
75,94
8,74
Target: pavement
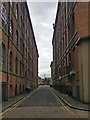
71,102
42,103
13,100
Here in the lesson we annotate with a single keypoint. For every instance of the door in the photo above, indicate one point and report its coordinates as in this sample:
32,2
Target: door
74,87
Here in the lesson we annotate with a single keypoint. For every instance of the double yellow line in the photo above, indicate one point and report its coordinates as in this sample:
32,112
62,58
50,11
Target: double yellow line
15,105
60,102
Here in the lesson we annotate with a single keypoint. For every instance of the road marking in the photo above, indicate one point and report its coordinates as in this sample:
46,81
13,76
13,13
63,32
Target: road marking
15,105
64,107
61,102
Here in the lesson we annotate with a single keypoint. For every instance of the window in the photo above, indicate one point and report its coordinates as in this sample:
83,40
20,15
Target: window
20,21
66,37
23,12
73,18
16,65
17,11
66,61
3,56
28,41
69,56
28,57
69,29
26,35
29,27
11,28
20,67
16,38
63,42
11,3
20,44
21,4
28,71
23,49
23,28
11,61
4,17
26,52
23,69
26,19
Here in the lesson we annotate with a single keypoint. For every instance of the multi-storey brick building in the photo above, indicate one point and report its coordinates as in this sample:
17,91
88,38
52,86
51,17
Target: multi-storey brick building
70,49
52,73
19,56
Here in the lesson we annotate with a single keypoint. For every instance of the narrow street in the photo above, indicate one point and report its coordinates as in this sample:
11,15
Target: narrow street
42,103
44,60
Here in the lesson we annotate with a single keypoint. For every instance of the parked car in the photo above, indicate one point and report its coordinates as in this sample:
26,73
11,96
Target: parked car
28,88
50,85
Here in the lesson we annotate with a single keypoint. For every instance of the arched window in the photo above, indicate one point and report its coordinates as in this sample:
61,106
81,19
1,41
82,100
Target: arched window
20,44
11,61
26,35
69,56
11,3
26,52
73,18
26,71
16,38
20,67
4,16
17,11
26,19
19,89
23,49
23,28
23,12
11,28
23,69
16,65
16,90
23,88
20,21
3,56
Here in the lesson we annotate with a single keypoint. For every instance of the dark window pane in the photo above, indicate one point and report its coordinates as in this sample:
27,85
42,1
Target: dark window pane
3,56
11,61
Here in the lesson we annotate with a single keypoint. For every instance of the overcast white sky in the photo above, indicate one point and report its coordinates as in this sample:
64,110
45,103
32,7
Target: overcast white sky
43,16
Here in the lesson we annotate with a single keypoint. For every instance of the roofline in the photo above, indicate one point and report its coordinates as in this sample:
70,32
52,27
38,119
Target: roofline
56,20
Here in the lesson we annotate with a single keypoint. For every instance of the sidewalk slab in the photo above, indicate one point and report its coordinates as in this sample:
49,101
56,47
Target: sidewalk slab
12,100
71,102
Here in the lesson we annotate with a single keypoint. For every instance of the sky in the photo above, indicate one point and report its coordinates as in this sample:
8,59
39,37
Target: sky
43,16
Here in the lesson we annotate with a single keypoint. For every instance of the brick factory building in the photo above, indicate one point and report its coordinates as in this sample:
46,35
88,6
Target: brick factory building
40,80
19,56
71,42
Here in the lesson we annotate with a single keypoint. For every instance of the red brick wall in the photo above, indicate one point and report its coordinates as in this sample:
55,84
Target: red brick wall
29,43
66,24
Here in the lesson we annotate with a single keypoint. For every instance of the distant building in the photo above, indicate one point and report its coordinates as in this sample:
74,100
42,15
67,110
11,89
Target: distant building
71,41
40,80
23,53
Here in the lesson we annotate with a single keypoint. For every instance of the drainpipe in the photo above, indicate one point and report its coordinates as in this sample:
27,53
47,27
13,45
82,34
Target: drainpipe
8,48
